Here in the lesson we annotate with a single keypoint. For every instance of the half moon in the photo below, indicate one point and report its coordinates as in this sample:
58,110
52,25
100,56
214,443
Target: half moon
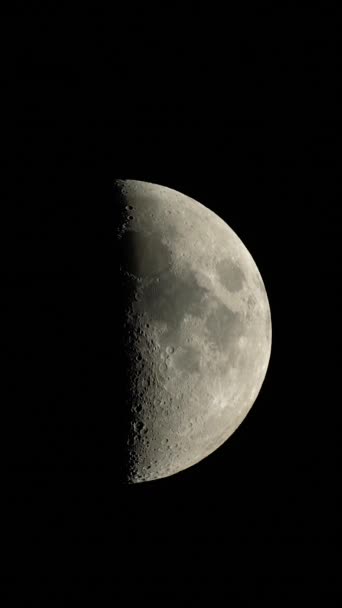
197,328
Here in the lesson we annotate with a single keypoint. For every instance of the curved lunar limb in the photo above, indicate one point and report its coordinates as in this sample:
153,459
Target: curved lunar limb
197,328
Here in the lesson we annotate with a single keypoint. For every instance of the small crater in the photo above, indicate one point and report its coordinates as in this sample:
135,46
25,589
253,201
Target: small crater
170,350
138,427
129,207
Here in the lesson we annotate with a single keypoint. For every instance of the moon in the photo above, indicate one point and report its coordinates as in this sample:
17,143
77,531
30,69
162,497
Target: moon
197,328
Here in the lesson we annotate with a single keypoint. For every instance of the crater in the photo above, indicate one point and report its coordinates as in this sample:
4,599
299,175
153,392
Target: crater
230,275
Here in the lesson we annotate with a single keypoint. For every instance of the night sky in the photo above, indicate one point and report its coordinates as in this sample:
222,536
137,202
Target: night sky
240,114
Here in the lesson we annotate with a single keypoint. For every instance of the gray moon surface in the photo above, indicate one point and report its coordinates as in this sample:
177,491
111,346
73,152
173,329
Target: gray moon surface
197,324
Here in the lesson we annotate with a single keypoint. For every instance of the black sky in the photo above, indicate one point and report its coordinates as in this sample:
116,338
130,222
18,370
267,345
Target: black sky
240,114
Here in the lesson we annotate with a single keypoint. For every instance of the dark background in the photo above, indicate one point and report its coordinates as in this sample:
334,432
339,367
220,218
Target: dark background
238,112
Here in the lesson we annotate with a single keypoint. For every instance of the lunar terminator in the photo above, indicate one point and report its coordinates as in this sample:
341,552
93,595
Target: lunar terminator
197,335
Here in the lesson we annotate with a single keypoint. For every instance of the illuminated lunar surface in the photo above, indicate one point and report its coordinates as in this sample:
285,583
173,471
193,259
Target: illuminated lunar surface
197,328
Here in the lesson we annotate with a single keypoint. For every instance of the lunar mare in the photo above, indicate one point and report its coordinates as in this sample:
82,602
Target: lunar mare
197,328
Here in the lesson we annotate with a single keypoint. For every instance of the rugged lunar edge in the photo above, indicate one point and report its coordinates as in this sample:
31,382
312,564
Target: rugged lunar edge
196,329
